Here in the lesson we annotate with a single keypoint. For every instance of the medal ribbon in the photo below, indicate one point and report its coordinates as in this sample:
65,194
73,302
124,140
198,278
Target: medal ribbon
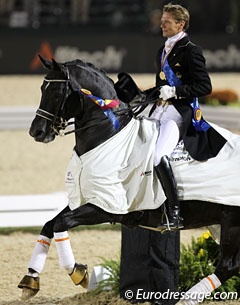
197,121
106,105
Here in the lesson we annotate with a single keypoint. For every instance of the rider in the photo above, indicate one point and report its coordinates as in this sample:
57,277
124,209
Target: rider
182,78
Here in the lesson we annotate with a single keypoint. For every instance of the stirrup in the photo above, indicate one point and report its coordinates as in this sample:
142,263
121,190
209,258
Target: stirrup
174,225
30,286
79,275
174,222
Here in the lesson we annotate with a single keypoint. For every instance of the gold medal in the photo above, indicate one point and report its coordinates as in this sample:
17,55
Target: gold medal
162,75
198,114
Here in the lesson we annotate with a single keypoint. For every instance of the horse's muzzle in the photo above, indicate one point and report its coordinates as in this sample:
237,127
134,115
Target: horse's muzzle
41,131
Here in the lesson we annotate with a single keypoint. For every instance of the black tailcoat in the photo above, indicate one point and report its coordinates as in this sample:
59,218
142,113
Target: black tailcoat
187,62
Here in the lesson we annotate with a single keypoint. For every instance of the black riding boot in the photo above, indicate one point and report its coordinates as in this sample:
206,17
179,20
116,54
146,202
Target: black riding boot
166,177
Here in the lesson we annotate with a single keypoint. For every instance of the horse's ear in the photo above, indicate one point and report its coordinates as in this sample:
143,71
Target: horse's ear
46,63
56,66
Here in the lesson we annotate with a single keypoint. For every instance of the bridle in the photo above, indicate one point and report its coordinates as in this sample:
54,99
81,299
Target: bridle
59,124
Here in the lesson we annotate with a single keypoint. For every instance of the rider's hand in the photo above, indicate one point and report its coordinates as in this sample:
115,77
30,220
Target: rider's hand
167,92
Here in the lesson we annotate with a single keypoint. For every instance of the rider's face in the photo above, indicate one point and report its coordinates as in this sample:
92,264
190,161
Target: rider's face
170,26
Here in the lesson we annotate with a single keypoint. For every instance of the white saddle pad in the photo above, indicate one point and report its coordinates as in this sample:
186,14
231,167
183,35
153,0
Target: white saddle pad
118,175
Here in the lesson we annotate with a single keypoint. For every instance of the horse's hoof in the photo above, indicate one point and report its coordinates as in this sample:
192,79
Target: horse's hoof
85,282
28,293
30,286
79,275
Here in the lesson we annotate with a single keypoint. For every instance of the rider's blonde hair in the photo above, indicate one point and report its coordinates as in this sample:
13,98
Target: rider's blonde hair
179,13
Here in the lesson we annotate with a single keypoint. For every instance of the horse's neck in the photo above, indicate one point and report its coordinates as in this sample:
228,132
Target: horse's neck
92,125
94,128
93,79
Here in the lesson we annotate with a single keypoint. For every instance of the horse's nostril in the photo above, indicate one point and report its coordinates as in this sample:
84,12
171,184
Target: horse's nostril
37,134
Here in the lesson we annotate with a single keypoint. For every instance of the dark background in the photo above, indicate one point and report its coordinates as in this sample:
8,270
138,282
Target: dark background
115,35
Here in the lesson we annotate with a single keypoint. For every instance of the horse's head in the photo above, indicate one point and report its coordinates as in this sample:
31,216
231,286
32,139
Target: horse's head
56,90
84,92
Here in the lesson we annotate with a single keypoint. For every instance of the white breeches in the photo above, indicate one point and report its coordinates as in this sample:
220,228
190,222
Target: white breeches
170,122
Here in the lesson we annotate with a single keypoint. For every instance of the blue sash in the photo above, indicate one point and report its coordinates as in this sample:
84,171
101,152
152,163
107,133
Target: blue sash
197,121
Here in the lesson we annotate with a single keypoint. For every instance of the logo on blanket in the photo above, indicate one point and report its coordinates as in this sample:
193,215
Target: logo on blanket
69,178
180,153
147,173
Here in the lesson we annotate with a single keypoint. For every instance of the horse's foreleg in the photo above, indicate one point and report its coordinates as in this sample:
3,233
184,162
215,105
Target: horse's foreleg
84,215
30,283
77,272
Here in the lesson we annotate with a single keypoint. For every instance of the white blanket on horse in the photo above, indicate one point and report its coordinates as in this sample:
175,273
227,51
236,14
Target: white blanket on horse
118,175
215,180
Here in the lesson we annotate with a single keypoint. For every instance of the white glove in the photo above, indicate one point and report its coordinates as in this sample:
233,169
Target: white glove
167,92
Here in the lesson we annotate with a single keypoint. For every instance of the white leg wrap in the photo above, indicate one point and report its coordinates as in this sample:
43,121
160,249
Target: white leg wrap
196,293
64,250
40,252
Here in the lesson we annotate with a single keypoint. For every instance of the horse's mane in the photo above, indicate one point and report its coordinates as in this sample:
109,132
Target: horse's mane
98,71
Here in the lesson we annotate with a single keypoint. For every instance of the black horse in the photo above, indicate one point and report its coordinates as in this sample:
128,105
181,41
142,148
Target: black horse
98,116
